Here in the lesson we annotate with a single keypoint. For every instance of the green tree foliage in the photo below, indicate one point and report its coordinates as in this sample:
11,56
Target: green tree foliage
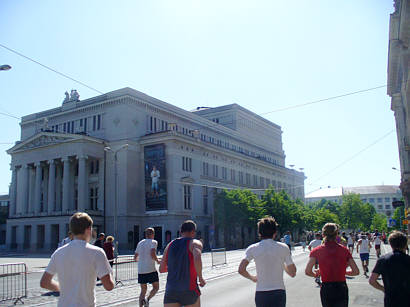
398,215
379,222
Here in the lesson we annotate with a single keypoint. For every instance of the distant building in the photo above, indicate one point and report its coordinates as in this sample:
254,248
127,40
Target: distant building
158,163
4,213
398,87
379,196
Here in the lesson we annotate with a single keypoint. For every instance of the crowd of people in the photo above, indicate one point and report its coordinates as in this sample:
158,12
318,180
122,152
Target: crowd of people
78,264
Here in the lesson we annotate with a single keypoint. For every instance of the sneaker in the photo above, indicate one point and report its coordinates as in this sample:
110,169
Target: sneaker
147,303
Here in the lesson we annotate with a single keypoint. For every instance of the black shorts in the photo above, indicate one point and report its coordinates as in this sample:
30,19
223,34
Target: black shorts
377,246
334,294
184,298
274,298
350,245
148,278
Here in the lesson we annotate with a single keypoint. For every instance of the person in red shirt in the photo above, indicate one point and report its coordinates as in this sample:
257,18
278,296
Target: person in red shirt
109,249
333,259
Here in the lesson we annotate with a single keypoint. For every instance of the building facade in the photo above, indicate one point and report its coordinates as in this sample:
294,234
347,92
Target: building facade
398,87
379,196
4,213
132,161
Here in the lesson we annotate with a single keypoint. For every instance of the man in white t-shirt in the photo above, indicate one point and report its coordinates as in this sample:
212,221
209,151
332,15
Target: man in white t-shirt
155,175
377,242
146,255
365,246
271,259
312,245
77,265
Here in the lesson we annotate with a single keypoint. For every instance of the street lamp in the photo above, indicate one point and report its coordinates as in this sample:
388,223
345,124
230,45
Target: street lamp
107,148
5,67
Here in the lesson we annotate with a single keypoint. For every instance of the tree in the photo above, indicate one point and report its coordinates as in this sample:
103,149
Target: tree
379,222
366,215
350,211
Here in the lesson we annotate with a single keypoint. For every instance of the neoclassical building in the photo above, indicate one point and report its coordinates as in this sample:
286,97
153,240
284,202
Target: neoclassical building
398,87
132,161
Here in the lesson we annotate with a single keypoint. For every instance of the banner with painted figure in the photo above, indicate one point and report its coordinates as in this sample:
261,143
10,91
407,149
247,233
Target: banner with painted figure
155,177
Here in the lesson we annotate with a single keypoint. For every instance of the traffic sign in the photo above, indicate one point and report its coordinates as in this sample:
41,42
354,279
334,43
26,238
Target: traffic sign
405,222
391,222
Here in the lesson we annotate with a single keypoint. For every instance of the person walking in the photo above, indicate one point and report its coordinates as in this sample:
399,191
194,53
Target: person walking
108,248
182,260
77,265
146,255
394,268
333,261
312,245
100,240
271,259
66,240
350,242
288,238
364,246
377,242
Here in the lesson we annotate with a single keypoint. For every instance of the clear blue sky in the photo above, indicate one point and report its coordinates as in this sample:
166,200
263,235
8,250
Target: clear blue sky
263,55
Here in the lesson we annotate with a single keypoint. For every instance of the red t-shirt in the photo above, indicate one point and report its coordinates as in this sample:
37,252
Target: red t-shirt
333,259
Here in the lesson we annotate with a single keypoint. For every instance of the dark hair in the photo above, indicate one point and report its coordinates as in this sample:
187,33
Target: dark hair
267,227
330,231
318,234
79,222
149,231
397,240
188,226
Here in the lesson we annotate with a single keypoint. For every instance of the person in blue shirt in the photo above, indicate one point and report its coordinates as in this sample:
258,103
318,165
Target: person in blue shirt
287,237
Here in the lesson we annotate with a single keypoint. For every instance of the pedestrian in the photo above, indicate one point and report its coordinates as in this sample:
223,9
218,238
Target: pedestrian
312,245
365,246
303,240
377,243
182,260
108,248
77,265
394,268
350,242
146,255
100,240
271,259
287,237
66,240
333,261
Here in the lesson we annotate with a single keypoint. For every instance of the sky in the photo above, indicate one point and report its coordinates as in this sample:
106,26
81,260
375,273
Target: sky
263,55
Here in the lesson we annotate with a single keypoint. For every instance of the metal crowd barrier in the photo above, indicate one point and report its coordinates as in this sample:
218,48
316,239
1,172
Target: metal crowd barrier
218,256
13,282
125,268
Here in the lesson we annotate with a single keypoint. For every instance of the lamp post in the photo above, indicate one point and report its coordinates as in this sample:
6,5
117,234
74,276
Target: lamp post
5,67
115,152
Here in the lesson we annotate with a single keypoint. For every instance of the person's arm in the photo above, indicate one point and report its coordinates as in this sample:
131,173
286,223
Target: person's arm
48,283
197,252
290,269
354,270
358,244
242,270
107,282
374,282
103,270
154,255
136,256
309,267
163,266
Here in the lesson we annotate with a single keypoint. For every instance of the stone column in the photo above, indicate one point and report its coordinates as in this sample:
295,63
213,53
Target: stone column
31,189
82,183
23,190
58,188
51,187
12,191
101,185
37,193
66,185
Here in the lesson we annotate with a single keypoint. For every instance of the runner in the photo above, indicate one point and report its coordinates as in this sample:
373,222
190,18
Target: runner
77,265
312,245
365,246
333,261
287,237
182,260
271,258
395,271
350,242
146,255
377,243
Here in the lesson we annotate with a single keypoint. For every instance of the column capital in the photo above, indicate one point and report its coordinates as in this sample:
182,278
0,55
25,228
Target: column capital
65,159
82,157
52,161
26,166
37,164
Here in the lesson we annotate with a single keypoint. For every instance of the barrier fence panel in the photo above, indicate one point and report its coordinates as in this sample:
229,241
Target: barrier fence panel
218,256
125,268
13,282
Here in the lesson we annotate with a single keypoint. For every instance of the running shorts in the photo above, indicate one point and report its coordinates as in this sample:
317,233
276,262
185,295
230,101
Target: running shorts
377,246
364,256
188,297
334,294
274,298
148,278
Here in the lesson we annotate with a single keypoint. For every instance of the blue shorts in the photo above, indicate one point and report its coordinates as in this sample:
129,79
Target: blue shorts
364,257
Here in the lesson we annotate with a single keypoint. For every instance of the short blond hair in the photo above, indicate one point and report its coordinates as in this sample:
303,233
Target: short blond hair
110,238
149,231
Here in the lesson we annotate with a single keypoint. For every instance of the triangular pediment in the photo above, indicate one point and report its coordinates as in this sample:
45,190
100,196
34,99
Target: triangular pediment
44,139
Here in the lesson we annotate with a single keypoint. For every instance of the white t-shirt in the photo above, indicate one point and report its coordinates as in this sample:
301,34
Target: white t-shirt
145,262
377,241
315,243
350,240
155,176
364,247
269,257
77,265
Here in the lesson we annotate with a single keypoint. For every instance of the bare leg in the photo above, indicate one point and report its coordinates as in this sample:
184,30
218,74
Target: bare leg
155,288
172,305
143,293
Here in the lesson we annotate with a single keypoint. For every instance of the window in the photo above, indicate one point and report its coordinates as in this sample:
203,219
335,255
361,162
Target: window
262,182
379,200
388,206
205,168
98,122
85,124
81,122
205,199
388,213
187,197
93,198
65,127
233,175
94,123
215,170
224,173
94,166
380,207
187,164
248,179
371,200
255,180
267,182
72,127
387,199
240,177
